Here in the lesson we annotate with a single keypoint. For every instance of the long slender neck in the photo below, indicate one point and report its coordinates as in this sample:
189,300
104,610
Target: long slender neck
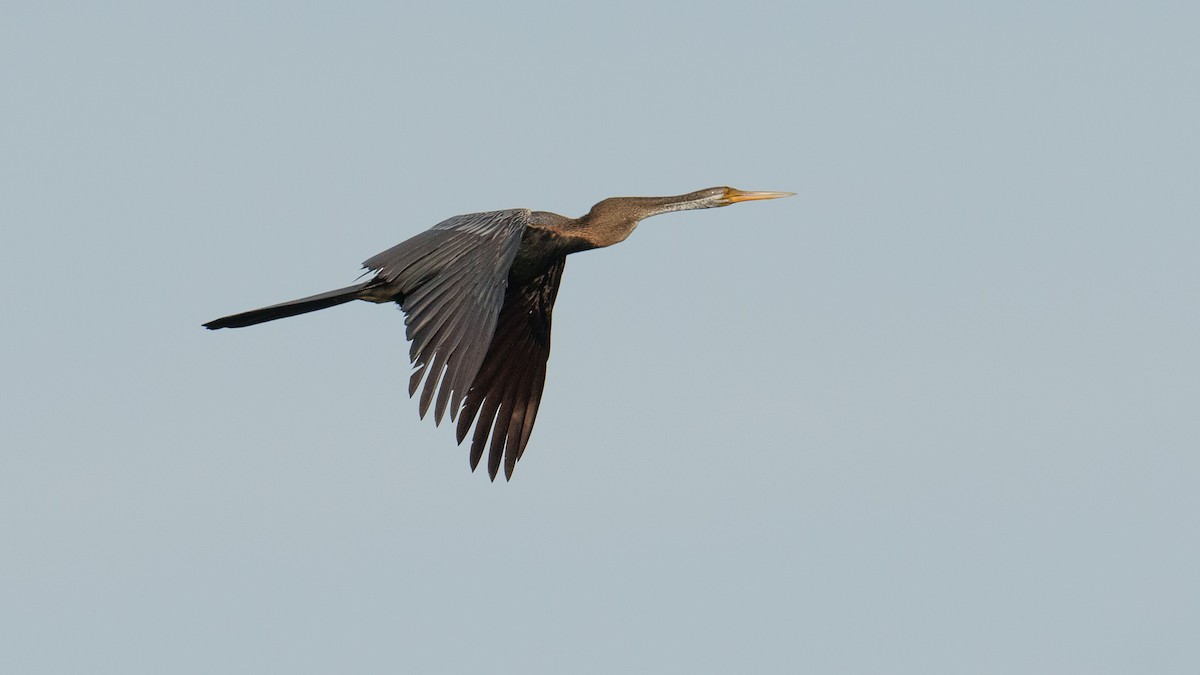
613,220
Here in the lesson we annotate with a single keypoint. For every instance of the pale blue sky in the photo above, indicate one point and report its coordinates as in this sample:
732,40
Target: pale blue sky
935,414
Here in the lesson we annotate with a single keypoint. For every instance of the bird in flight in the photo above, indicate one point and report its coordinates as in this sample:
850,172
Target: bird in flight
477,292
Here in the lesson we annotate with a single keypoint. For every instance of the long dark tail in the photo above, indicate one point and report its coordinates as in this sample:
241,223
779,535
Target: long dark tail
285,309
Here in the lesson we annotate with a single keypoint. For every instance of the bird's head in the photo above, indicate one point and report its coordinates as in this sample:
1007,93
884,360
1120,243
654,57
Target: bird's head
714,197
612,220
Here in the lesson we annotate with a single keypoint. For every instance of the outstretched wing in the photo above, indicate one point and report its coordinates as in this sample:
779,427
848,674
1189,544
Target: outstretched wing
505,395
451,282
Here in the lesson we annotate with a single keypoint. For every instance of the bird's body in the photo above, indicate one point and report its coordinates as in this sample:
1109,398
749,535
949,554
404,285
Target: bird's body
478,291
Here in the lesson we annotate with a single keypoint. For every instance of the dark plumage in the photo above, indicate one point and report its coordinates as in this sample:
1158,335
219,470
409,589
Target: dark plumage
478,291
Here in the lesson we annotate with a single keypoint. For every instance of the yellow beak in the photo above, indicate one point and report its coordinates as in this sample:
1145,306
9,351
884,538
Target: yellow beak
733,196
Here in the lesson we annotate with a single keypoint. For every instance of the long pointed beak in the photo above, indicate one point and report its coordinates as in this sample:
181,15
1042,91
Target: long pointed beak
733,196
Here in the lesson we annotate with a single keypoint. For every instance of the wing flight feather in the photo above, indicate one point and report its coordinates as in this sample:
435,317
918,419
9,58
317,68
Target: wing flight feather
503,400
452,281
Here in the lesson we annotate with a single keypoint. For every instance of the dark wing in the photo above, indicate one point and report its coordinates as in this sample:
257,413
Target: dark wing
506,392
451,282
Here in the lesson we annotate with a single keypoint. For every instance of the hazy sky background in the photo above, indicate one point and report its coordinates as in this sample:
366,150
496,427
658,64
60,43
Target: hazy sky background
938,413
